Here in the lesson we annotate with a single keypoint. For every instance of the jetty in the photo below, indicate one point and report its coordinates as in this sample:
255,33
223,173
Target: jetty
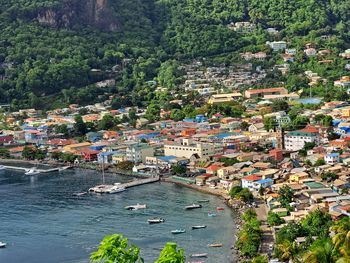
56,169
108,188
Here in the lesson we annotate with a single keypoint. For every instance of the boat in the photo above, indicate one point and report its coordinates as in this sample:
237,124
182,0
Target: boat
32,171
212,214
220,208
215,245
199,255
193,206
156,220
2,245
115,189
80,194
135,207
203,201
199,227
2,167
178,231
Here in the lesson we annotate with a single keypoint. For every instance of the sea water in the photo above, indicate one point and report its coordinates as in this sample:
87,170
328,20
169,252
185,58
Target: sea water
42,221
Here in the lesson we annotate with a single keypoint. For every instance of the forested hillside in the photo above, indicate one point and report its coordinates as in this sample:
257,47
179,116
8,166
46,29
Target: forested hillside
50,46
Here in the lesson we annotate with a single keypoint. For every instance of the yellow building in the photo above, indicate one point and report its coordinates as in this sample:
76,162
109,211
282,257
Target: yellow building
224,98
345,112
296,178
72,148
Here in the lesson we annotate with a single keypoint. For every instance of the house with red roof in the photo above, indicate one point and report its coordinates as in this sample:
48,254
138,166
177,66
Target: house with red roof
248,181
212,169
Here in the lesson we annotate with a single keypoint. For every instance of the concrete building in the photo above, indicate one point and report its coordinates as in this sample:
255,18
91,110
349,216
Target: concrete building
277,45
259,93
295,140
224,98
186,148
137,153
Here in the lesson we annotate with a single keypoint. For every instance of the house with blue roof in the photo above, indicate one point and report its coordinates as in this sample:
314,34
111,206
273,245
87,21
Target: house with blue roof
263,183
331,158
106,157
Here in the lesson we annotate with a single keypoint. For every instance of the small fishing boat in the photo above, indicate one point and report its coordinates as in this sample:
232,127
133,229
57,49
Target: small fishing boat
199,227
215,245
156,220
135,207
199,255
193,206
220,208
212,214
2,167
178,231
32,171
203,201
116,188
2,245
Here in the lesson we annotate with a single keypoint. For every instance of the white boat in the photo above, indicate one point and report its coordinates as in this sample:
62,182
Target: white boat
215,245
2,245
2,167
193,206
135,207
79,194
32,171
115,189
156,220
199,227
212,214
178,231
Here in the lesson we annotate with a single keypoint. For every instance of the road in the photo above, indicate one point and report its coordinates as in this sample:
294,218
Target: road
267,239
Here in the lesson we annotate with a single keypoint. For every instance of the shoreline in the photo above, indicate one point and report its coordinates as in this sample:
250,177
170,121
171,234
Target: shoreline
233,205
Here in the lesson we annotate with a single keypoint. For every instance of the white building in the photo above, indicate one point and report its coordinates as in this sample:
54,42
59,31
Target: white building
331,158
295,140
186,148
277,45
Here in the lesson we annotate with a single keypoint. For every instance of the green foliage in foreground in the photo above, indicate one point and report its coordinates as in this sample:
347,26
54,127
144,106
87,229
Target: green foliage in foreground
116,249
241,193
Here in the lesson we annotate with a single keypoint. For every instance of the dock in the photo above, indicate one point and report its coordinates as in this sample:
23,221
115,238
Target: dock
111,188
57,169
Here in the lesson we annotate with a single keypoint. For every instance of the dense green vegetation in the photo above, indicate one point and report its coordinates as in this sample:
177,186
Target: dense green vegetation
58,48
316,243
116,248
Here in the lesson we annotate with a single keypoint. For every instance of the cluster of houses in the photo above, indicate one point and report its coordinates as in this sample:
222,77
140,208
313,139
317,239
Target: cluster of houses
210,80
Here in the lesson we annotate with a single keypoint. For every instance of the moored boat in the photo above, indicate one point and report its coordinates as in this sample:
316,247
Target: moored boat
116,189
156,220
199,255
215,245
79,194
199,227
220,208
2,245
2,167
135,207
203,201
32,171
212,214
178,231
193,206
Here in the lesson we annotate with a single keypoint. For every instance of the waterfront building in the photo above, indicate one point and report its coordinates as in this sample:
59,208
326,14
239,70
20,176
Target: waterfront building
137,153
186,148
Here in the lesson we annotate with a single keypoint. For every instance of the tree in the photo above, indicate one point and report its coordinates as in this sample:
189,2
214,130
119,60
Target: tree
4,153
260,259
170,254
317,223
115,248
79,127
321,251
274,219
177,115
285,195
106,123
62,129
287,250
320,162
279,105
178,169
241,193
269,123
29,153
341,239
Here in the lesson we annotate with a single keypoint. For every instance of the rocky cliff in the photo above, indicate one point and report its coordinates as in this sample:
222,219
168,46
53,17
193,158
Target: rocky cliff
83,12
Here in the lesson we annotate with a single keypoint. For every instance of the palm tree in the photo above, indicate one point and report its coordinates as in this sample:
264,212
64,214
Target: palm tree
288,251
321,251
341,239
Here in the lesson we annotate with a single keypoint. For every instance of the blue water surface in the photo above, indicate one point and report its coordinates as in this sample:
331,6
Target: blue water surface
42,221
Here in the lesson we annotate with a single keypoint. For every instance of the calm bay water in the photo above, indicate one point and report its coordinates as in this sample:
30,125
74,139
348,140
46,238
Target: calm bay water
42,221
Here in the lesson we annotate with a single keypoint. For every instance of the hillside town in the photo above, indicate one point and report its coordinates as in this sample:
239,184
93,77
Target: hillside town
266,140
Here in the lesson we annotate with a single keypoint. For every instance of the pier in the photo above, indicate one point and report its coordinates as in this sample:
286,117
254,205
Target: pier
57,169
119,186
